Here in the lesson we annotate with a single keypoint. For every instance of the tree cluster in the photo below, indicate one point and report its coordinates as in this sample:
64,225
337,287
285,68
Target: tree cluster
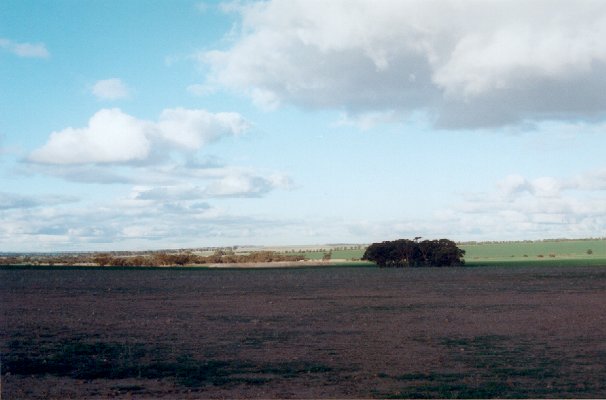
413,253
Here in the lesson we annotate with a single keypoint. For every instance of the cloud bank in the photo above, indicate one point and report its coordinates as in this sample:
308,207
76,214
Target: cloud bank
466,64
539,208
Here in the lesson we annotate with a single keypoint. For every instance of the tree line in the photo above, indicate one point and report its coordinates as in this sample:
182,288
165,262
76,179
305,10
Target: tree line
151,259
414,253
218,257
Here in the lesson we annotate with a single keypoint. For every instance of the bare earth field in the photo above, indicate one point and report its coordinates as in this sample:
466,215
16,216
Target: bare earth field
303,333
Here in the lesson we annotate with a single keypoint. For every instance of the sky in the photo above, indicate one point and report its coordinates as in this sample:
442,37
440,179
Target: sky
155,124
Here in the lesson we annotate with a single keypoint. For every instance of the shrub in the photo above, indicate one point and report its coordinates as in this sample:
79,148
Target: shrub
102,259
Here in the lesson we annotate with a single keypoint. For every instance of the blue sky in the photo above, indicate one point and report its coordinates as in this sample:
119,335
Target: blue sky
169,124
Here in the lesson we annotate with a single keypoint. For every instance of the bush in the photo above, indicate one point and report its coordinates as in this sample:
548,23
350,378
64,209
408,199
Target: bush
102,259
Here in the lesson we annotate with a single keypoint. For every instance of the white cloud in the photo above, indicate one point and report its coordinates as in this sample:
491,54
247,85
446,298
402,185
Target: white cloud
514,184
595,180
191,129
533,208
229,185
239,186
546,187
113,136
29,50
111,89
470,64
132,224
110,137
181,214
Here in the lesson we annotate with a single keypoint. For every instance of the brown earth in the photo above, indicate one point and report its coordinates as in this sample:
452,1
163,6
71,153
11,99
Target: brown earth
277,264
303,333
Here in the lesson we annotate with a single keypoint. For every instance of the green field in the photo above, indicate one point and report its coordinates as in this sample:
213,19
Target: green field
549,252
347,254
336,254
313,255
590,251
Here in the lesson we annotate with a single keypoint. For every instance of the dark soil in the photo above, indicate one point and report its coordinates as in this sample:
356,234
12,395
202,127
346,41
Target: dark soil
303,333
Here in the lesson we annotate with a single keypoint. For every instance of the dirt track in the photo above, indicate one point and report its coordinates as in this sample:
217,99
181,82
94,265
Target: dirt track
329,332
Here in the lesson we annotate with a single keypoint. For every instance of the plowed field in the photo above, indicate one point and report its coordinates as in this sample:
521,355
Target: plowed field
303,333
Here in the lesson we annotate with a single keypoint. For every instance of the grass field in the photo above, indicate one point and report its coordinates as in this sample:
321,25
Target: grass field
545,253
347,254
554,253
313,255
335,254
564,249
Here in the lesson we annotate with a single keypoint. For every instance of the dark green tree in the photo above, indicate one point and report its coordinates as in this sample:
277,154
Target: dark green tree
412,253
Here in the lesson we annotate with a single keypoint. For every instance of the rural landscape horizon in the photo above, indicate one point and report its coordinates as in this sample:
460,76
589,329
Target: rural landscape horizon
127,126
550,252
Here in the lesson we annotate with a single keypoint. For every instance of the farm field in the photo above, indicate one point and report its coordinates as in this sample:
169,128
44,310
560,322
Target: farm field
501,253
335,254
303,333
570,253
567,249
556,252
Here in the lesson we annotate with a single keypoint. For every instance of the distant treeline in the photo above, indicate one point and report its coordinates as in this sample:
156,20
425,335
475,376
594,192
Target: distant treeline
150,259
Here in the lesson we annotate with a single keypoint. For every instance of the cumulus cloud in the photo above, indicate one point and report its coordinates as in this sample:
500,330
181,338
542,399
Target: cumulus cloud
113,136
110,89
468,64
29,50
159,159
